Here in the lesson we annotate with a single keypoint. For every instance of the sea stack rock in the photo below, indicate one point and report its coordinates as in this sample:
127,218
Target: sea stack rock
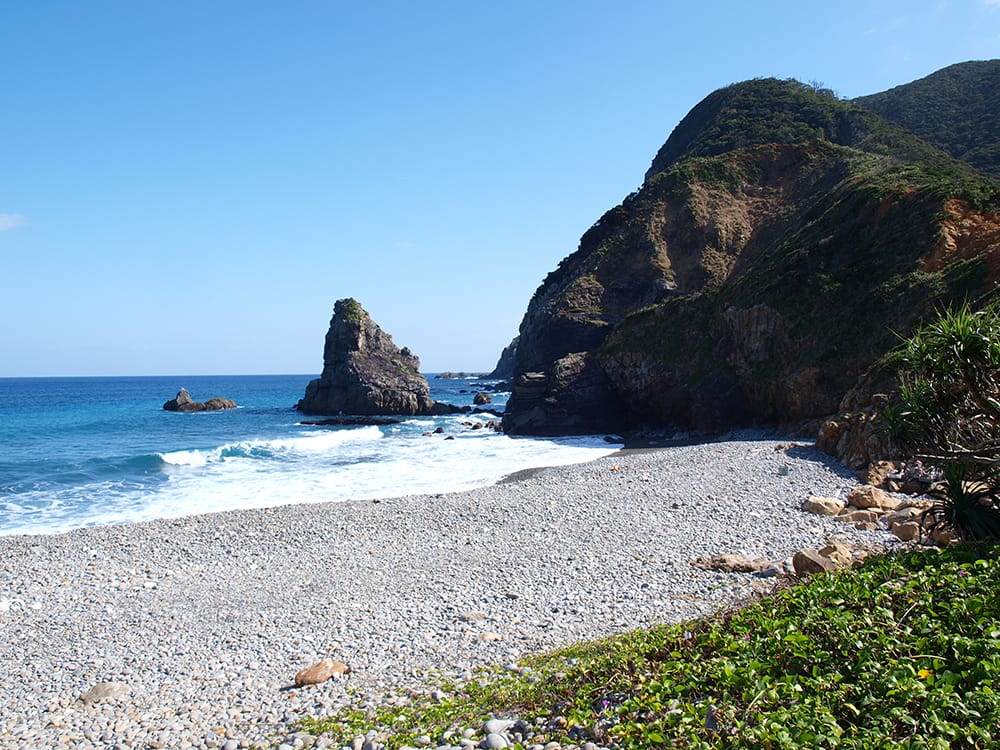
365,373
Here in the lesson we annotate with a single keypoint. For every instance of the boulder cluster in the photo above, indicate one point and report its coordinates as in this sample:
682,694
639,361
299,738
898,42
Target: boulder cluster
868,507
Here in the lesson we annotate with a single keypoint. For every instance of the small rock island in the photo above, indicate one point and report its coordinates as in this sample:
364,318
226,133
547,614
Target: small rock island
183,402
365,373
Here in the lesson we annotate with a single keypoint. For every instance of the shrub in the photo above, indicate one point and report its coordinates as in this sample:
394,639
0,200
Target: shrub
949,415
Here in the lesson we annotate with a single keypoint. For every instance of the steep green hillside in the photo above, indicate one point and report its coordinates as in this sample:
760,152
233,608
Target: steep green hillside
781,240
957,109
844,266
771,111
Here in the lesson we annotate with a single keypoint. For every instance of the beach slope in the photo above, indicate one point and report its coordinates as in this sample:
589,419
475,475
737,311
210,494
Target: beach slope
200,624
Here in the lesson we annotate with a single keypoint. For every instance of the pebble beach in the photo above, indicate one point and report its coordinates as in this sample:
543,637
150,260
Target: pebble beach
201,623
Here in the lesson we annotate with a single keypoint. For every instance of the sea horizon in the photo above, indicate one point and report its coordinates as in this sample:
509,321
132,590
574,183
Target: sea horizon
428,375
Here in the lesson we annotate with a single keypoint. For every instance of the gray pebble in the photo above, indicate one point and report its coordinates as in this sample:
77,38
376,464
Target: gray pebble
497,726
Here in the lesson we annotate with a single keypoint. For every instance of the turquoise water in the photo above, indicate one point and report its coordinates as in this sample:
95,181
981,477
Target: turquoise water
78,452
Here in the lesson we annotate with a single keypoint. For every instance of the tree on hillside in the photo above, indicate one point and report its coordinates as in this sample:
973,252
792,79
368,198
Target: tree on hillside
949,415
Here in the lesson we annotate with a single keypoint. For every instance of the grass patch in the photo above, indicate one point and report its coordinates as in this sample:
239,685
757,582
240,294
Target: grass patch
901,652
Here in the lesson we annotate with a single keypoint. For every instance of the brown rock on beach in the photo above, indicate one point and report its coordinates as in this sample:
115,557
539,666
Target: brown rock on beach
321,671
824,506
867,496
105,691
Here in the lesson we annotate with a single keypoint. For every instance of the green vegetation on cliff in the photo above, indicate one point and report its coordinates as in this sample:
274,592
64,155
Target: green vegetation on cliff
768,110
956,109
350,310
838,258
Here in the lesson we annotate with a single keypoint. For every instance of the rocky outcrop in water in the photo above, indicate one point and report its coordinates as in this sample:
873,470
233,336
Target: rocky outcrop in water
184,403
779,244
365,373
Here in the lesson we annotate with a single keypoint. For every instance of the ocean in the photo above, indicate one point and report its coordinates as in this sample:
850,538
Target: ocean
78,452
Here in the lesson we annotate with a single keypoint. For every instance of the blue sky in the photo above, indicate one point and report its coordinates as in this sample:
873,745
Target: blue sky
187,187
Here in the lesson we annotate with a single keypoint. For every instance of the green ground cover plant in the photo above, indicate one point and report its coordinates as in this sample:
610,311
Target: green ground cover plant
901,652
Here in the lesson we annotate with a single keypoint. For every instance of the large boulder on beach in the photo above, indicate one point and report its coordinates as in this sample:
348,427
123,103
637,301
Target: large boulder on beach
105,691
184,403
321,671
365,373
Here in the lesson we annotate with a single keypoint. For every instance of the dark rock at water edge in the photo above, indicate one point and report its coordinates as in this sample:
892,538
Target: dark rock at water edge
502,387
349,421
365,373
183,402
572,397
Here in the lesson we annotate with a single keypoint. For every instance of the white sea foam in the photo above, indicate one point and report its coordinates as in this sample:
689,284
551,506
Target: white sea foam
316,466
364,470
312,442
185,458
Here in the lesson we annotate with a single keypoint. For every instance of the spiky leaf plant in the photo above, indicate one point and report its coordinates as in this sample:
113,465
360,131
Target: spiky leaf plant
949,415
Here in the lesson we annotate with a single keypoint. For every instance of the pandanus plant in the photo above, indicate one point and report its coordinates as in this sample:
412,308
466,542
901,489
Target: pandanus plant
948,414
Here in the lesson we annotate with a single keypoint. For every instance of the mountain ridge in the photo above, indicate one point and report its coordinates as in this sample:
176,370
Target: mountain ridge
955,109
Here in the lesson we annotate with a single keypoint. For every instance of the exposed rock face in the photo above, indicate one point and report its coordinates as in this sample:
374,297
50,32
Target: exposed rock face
856,434
365,373
183,402
774,252
573,397
505,365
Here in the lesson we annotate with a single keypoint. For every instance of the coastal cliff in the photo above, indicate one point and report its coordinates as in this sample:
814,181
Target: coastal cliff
365,373
780,241
506,363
